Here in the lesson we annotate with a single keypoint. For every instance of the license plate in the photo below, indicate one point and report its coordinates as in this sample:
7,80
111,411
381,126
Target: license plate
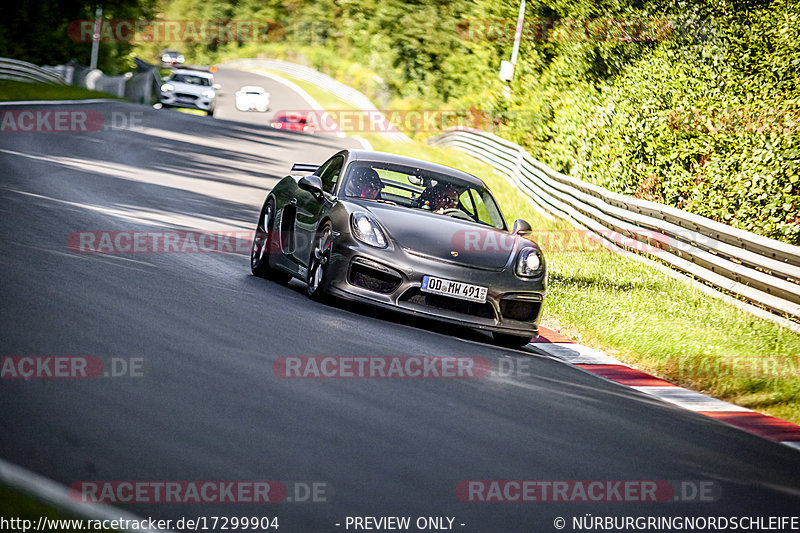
456,289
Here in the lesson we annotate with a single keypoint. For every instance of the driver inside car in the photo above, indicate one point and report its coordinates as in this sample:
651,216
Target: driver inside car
364,182
445,197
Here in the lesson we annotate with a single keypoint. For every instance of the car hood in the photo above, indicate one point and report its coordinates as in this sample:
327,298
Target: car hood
442,237
189,88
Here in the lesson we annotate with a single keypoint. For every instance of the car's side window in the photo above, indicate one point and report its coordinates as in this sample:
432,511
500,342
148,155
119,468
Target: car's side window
476,207
329,173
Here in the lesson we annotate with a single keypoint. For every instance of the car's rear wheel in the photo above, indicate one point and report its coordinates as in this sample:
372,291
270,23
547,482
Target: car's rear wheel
264,244
511,341
319,262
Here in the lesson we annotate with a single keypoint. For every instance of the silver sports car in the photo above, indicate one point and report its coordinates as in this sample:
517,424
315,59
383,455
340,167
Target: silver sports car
404,234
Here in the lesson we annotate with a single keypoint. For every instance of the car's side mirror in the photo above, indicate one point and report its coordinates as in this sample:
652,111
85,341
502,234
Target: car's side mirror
521,226
312,184
217,86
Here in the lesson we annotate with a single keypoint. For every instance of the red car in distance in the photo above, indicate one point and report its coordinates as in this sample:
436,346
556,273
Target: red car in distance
292,121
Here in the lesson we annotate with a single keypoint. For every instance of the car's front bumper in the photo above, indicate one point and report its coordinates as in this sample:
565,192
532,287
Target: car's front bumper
190,101
392,278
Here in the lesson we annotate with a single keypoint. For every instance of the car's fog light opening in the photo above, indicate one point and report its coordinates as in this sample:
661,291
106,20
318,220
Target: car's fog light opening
521,309
445,303
373,276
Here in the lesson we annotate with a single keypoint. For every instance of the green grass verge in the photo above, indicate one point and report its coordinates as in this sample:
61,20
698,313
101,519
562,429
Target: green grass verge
15,504
635,312
13,91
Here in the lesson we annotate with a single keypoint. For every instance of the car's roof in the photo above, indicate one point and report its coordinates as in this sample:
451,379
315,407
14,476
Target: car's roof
252,88
369,155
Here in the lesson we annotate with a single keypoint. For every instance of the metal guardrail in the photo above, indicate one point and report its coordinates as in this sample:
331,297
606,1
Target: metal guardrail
141,87
325,82
761,270
13,69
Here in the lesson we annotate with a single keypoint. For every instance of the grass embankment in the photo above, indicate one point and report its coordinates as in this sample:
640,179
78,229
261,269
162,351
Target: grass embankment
14,91
20,506
637,313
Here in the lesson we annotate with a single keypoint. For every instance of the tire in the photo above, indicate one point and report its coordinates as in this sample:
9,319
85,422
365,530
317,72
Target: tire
264,244
318,263
510,341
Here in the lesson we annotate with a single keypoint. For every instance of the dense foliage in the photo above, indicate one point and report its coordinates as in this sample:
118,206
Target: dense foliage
39,32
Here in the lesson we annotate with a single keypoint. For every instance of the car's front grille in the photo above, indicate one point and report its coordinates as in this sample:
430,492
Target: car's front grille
185,96
373,276
481,310
520,309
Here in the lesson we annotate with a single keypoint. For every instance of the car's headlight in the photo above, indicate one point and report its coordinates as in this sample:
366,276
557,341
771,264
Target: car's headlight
166,87
529,263
208,93
367,230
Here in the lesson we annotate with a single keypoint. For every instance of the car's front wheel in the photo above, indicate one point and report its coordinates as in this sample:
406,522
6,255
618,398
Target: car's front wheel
319,262
264,244
511,341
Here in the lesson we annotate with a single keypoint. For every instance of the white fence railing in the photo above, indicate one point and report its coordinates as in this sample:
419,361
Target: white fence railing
325,82
15,70
761,270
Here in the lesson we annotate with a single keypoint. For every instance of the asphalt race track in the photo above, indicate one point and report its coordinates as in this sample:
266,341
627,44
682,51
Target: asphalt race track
205,403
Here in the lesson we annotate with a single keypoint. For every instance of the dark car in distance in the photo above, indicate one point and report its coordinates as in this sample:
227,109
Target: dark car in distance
404,234
171,58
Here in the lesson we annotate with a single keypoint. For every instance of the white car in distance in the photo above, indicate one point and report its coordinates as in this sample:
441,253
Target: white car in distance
252,98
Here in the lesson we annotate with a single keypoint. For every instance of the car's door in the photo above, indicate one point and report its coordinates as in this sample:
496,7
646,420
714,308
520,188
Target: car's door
311,209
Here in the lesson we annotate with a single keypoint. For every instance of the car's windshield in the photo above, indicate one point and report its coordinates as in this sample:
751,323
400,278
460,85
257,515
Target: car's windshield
421,189
191,80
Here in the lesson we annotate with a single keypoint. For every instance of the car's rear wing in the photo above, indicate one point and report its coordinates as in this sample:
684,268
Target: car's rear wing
302,167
